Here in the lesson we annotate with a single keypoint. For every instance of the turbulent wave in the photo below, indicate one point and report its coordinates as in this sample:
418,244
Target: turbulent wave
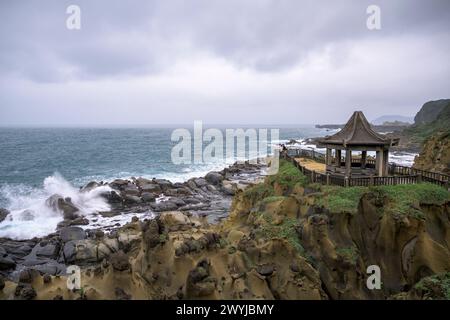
31,217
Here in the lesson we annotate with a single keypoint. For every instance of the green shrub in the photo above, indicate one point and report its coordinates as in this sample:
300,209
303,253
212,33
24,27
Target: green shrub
288,175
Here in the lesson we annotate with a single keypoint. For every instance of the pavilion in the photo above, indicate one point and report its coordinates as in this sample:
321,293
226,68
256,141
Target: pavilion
357,135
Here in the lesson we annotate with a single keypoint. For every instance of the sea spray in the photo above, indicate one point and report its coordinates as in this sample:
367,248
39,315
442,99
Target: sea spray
30,215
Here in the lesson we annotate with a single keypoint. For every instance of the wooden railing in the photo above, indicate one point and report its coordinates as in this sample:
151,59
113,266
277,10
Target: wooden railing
397,174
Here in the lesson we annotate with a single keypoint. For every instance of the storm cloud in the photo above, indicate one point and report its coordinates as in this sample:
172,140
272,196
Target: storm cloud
152,62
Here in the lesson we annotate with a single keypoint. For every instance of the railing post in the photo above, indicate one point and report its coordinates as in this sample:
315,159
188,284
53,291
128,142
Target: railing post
313,176
346,181
371,181
419,178
328,179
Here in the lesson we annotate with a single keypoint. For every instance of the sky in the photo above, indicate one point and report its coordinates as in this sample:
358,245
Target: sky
225,62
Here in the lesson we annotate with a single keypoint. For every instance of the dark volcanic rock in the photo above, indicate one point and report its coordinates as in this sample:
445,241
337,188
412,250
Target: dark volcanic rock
132,199
2,282
214,178
7,263
72,233
65,205
164,206
148,197
151,187
3,214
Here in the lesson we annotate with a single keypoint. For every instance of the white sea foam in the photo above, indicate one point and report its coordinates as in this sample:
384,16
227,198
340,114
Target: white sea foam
31,217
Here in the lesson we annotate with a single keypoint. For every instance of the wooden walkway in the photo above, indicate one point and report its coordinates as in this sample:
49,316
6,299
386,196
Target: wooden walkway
397,174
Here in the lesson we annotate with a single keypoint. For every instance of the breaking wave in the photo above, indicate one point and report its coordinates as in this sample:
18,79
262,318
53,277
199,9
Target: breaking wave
30,216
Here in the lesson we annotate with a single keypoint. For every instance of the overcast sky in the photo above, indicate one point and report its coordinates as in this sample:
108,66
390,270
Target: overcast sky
233,61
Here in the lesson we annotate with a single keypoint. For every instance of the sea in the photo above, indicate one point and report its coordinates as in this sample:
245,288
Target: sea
36,163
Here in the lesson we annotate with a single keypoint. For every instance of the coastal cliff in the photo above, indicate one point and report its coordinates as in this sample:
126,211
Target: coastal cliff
283,239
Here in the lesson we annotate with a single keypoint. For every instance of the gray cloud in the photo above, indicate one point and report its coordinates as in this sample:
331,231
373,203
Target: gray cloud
251,56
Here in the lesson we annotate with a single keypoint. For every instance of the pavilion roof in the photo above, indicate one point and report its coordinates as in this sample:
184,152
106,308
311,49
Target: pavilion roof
357,131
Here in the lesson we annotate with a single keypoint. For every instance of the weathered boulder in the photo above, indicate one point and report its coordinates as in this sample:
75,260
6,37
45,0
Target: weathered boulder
91,185
164,206
132,199
119,184
131,190
163,183
151,187
72,233
80,251
214,178
148,197
6,263
201,182
64,205
175,220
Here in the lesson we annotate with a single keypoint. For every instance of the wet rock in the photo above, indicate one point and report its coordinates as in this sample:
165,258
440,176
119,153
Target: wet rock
72,233
80,221
109,214
64,205
50,267
46,250
132,199
148,197
201,182
214,178
113,197
80,251
7,263
119,183
90,186
119,261
131,190
164,206
151,188
163,183
3,214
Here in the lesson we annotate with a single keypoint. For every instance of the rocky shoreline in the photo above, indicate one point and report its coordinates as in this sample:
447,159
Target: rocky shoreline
284,238
85,241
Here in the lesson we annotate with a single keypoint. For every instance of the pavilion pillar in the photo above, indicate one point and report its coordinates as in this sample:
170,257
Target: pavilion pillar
338,157
328,157
386,162
363,159
379,163
348,162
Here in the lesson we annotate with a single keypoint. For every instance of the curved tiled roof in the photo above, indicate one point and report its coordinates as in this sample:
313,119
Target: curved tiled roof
357,131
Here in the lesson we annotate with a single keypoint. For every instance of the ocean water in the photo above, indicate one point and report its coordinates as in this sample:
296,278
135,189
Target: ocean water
36,163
